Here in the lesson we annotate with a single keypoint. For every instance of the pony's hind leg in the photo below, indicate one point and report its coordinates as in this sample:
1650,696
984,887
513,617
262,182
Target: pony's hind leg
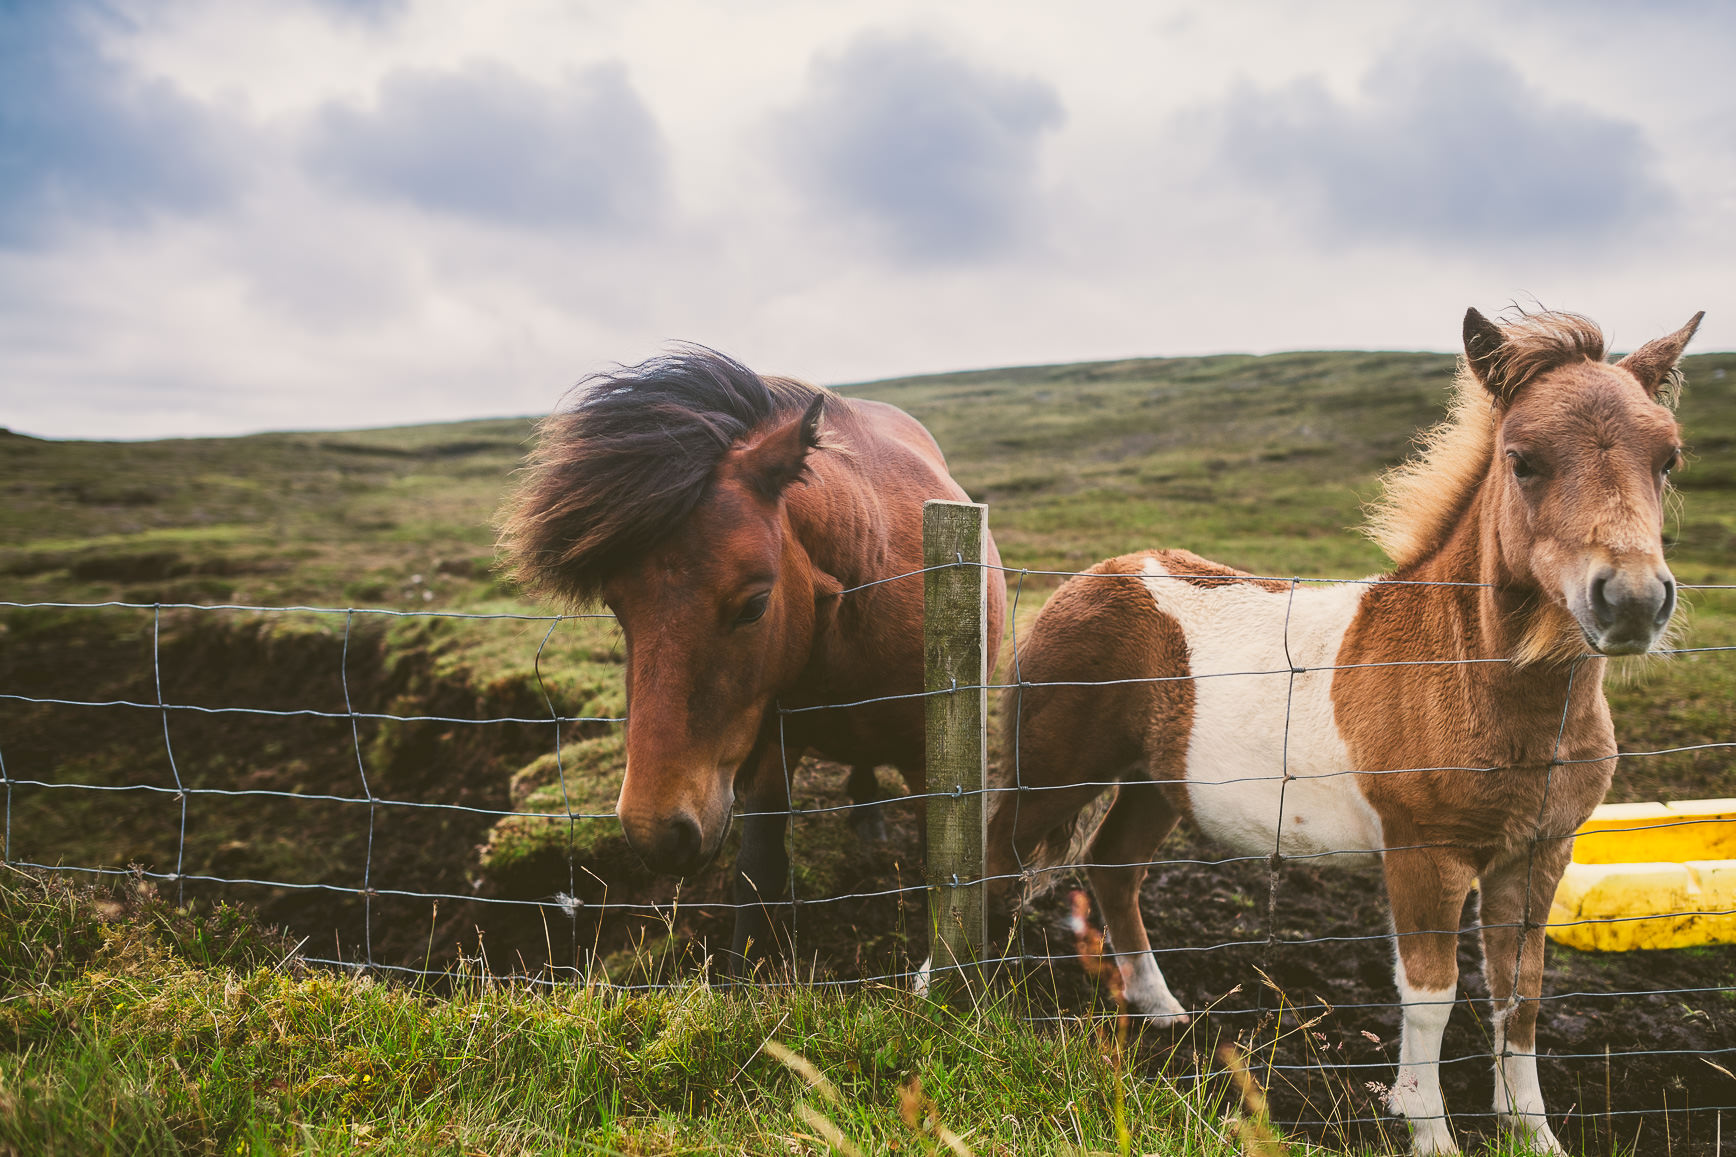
1513,968
867,804
1140,818
1427,887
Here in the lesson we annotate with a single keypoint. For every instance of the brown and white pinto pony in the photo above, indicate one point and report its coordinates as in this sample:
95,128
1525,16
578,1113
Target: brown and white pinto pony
720,515
1451,733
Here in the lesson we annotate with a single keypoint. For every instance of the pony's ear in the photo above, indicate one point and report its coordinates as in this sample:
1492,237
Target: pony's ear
1652,362
778,459
1484,342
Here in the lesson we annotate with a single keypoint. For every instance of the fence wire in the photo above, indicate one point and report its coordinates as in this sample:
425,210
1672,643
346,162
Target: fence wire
804,907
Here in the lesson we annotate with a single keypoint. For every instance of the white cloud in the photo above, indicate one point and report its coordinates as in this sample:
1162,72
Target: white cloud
935,155
1447,146
223,215
83,136
486,142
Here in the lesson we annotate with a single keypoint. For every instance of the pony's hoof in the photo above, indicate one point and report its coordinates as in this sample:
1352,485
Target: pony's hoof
1532,1132
1432,1138
1163,1012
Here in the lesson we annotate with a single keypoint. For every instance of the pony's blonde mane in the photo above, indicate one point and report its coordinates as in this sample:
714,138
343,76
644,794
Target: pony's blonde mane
1421,499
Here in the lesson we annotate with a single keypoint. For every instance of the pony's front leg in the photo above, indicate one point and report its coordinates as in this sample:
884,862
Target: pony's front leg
1513,967
762,869
1427,887
762,866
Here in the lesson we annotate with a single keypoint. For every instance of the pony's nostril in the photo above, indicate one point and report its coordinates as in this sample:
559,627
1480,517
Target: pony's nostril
1600,608
681,844
1667,606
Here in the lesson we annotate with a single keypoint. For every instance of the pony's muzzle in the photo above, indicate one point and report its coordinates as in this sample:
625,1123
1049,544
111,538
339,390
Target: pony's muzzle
673,845
674,818
1628,607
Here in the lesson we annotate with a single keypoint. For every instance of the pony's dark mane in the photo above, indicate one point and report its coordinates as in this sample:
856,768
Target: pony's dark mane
624,462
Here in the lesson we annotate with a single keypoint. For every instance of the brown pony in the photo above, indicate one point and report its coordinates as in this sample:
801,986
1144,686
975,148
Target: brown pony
1450,733
741,529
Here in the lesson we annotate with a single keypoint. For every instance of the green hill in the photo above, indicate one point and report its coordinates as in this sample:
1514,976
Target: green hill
1262,462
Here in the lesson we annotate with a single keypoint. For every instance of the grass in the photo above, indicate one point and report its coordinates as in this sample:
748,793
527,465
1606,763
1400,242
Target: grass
270,519
131,1026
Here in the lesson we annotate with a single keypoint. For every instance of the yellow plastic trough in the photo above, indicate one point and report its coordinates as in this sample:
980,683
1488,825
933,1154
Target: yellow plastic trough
1650,875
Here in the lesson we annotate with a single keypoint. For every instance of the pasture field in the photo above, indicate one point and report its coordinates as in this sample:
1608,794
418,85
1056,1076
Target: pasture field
1261,462
129,1026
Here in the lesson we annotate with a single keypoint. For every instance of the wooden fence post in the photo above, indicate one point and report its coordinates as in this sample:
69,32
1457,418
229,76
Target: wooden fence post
956,674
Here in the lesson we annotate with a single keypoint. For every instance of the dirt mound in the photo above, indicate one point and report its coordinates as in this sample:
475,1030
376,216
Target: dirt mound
278,813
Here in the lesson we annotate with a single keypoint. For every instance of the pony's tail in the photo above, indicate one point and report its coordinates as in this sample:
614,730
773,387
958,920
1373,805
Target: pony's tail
1069,842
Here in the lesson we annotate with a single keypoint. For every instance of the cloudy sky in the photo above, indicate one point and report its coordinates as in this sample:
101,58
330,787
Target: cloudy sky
220,216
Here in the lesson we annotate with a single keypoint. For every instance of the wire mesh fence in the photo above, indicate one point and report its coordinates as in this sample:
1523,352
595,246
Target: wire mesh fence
342,765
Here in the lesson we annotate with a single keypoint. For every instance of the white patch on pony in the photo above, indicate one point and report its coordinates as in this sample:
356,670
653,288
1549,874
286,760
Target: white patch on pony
1248,774
1416,1093
1147,993
1518,1096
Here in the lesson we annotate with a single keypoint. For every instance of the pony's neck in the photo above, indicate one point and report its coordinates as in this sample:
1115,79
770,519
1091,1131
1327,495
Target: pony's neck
1499,616
835,517
1521,712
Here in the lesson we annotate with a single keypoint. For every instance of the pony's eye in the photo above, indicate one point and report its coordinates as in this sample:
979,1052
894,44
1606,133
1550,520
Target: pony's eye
1674,463
1522,469
753,610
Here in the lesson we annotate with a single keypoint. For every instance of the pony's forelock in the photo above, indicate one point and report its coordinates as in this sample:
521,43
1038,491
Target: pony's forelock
1535,343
